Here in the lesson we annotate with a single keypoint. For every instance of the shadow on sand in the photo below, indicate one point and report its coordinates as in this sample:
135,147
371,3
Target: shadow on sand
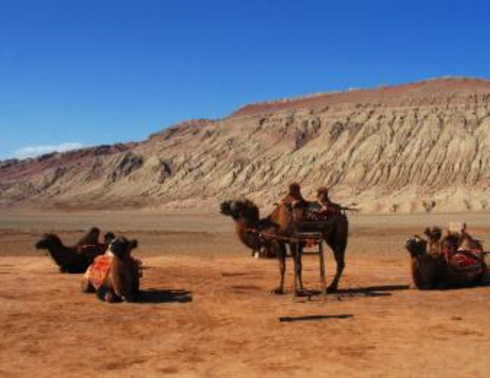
313,317
372,291
164,296
358,292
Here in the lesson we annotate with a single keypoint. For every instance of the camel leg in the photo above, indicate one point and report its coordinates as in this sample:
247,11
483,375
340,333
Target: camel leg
281,256
86,286
295,254
339,259
299,266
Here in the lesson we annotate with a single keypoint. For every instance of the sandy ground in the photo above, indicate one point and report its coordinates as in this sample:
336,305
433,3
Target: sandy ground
206,310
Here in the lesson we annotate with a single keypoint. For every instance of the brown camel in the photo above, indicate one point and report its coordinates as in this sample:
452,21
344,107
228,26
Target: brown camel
275,231
292,218
115,276
74,259
444,269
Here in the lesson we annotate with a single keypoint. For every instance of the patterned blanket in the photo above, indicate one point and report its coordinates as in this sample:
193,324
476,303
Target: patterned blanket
462,261
97,272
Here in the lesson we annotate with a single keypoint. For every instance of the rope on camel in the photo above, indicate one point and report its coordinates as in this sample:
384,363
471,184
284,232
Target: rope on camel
297,239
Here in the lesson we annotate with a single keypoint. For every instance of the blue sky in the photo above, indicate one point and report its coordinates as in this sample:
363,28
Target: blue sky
88,72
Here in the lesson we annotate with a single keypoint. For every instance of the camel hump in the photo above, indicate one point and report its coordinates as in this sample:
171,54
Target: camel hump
91,237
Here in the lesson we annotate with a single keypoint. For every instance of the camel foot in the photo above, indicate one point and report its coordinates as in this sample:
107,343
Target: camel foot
277,291
87,287
300,293
332,289
110,297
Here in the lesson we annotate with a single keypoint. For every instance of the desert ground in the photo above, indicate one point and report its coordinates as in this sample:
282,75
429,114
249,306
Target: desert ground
206,308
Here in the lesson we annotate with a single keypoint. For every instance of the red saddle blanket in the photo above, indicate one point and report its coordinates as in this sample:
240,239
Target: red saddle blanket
465,262
97,272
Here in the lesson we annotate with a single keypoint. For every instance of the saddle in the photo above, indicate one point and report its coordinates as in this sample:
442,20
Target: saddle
465,262
97,272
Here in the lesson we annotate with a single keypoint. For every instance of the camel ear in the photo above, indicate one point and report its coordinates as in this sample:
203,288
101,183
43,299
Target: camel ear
133,244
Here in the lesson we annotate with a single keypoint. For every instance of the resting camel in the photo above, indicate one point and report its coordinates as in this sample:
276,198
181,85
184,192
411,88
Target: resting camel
74,259
446,265
115,276
274,232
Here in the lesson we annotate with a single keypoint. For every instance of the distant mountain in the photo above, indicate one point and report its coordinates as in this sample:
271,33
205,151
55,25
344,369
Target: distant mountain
417,147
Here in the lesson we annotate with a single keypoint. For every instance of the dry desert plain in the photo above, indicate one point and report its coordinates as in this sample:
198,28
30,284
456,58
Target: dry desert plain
206,311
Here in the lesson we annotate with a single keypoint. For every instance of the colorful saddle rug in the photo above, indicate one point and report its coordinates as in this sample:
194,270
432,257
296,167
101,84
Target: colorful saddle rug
97,272
465,262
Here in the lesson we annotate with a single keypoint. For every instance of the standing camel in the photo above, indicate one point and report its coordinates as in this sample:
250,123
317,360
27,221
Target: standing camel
279,229
296,217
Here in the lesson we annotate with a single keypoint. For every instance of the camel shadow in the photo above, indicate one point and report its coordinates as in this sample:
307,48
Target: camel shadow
164,296
370,291
358,292
373,289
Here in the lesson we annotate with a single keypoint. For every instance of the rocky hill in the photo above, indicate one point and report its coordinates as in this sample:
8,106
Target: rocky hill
418,147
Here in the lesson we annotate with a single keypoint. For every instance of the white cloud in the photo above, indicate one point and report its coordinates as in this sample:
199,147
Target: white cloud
34,151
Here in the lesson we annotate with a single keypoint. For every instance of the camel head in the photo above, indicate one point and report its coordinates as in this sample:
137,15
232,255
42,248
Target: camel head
416,246
108,237
121,247
243,208
47,241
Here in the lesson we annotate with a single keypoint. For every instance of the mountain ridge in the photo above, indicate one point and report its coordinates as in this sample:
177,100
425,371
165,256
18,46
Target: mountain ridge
422,146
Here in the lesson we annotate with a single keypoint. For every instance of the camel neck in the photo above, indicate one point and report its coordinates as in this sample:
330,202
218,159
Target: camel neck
56,251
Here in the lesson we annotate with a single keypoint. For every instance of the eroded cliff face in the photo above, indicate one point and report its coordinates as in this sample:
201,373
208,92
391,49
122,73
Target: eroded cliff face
418,147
